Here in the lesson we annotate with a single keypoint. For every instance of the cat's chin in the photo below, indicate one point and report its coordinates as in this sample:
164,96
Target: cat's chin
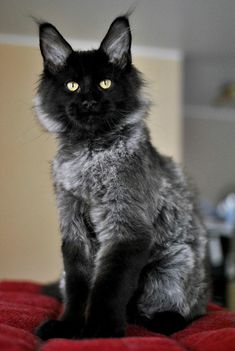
85,119
89,115
88,123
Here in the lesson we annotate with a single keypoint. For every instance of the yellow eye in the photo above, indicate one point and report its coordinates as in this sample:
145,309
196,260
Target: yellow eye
105,84
72,86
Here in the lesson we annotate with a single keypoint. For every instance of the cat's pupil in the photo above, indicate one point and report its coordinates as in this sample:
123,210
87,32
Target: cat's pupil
105,84
72,86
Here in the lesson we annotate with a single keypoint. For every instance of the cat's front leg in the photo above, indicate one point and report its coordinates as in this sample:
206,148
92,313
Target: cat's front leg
77,267
118,265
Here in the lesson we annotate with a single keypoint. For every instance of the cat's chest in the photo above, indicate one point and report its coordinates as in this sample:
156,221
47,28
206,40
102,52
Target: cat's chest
86,174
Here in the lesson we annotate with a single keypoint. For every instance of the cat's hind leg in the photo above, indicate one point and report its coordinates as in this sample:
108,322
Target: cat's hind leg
167,322
173,291
164,322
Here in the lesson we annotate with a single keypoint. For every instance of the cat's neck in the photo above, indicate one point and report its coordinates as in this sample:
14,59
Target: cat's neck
132,135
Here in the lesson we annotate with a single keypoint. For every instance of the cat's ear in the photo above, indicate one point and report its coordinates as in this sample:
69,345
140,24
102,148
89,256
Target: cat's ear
54,48
117,42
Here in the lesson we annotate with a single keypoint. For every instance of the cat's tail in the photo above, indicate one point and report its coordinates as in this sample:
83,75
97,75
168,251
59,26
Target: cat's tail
53,289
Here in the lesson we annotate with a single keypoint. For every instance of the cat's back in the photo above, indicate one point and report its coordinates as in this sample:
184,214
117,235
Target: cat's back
176,202
172,177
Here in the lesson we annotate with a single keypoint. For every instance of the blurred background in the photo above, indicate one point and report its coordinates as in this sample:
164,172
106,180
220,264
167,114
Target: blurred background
186,50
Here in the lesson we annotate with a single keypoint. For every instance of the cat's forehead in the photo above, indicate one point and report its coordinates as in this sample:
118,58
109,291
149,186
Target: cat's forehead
91,62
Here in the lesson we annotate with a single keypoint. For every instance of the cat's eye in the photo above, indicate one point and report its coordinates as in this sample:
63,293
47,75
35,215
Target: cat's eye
72,86
105,84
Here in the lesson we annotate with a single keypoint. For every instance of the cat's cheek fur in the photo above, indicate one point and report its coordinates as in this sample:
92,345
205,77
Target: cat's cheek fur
47,121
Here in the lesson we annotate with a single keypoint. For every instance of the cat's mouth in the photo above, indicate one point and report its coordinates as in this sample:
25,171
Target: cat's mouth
76,115
103,118
89,113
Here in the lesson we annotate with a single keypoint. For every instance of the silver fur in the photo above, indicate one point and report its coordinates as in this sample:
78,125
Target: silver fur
124,208
129,180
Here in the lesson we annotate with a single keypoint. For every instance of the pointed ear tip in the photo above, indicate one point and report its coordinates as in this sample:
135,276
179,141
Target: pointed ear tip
43,26
124,19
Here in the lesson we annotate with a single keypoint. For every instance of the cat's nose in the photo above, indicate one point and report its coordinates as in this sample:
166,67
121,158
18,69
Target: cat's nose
89,104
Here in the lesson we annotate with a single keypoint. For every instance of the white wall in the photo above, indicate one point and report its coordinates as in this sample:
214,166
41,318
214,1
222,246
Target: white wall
209,154
209,131
203,77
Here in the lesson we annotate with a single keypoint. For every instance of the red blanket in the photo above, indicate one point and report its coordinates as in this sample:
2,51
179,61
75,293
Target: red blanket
23,308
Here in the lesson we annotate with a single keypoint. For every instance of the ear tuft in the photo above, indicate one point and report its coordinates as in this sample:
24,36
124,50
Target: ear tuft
117,42
54,48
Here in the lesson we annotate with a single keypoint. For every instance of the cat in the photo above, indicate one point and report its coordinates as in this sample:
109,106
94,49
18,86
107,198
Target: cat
134,247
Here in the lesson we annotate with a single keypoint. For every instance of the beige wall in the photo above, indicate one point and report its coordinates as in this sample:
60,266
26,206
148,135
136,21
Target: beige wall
163,79
29,236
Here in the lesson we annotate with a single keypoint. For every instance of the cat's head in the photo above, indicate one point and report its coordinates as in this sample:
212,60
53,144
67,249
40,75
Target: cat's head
83,91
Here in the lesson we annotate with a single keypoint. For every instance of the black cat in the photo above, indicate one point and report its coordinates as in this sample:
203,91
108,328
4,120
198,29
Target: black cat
134,248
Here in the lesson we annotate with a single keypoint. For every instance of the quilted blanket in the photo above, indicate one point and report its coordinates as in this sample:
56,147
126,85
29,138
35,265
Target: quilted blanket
23,308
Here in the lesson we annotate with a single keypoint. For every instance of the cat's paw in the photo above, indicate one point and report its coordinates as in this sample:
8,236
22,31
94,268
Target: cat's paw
100,328
56,329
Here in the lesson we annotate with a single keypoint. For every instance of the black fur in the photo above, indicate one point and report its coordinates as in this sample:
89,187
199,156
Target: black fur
134,248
